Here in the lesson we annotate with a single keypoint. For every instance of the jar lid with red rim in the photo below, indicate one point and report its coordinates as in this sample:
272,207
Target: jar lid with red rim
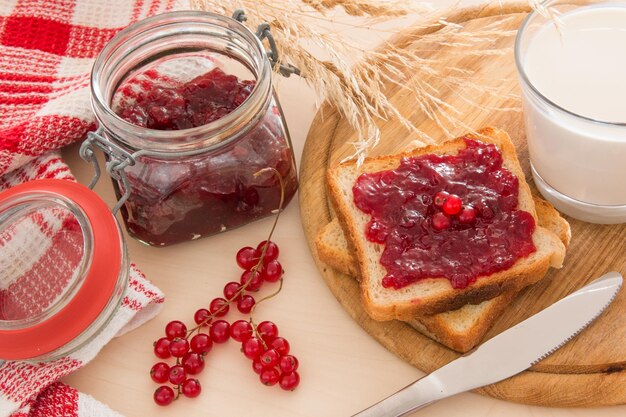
61,259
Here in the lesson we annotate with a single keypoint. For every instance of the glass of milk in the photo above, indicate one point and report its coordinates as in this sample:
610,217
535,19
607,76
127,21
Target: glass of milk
573,81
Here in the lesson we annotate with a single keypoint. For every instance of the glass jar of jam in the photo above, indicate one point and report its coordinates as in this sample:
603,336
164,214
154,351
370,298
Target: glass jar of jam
63,269
188,118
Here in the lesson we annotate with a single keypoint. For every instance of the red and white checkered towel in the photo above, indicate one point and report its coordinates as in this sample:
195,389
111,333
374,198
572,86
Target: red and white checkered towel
47,48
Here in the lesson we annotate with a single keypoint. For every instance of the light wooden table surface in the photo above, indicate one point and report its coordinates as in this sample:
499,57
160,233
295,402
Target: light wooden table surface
343,370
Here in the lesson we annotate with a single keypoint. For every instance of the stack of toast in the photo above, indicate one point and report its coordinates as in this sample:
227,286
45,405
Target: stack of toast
456,317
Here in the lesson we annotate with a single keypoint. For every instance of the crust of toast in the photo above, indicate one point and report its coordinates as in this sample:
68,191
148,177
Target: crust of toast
460,329
435,295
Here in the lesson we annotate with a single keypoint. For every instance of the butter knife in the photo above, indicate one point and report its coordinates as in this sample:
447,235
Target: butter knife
507,354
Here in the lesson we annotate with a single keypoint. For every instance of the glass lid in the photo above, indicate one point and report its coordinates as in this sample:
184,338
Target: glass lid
60,260
46,250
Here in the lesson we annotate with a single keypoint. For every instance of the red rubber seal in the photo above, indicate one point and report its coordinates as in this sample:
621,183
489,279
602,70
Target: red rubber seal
97,288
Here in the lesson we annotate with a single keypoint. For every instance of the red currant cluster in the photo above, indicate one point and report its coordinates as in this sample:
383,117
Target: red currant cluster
260,343
451,205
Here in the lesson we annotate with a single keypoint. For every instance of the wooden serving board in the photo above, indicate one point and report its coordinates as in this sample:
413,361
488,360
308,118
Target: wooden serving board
588,371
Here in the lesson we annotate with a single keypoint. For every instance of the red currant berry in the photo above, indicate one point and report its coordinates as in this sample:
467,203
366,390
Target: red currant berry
191,388
202,317
270,377
268,331
441,221
193,363
247,258
281,345
252,280
467,215
162,348
219,307
245,304
388,281
164,395
440,198
257,366
252,348
231,291
288,364
289,381
269,358
241,331
452,205
272,271
271,253
177,374
175,329
160,372
201,343
220,331
179,347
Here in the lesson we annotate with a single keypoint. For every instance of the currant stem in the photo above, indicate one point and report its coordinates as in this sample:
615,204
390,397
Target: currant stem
281,202
267,297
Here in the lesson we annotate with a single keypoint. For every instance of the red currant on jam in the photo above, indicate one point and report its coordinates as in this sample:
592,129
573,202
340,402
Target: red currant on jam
245,304
177,375
193,363
219,307
271,253
162,348
452,205
252,348
289,381
175,329
202,317
201,343
441,222
241,330
191,388
247,258
220,331
272,271
164,395
440,198
388,281
288,363
160,372
268,331
269,377
467,215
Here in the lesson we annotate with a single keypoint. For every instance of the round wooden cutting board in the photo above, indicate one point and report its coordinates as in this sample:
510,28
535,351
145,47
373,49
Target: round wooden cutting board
588,371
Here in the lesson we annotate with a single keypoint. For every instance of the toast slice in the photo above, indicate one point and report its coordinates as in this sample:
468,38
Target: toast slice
435,295
460,329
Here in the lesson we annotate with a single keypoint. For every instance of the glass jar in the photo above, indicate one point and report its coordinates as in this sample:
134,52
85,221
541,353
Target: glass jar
63,269
202,179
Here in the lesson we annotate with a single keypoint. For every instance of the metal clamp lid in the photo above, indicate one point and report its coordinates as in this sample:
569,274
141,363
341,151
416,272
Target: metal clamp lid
118,160
263,32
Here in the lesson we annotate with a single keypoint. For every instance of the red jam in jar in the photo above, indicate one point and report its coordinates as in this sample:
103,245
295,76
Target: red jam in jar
407,219
169,104
189,95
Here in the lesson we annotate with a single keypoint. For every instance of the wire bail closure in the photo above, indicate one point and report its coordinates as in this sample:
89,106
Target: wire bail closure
263,32
117,160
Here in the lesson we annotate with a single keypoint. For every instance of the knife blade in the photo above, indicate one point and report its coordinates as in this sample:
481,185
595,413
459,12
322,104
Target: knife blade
508,353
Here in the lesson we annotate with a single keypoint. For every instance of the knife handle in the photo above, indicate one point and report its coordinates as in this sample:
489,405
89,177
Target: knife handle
419,394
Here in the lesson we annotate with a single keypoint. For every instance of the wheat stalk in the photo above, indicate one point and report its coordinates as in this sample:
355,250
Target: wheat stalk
354,79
